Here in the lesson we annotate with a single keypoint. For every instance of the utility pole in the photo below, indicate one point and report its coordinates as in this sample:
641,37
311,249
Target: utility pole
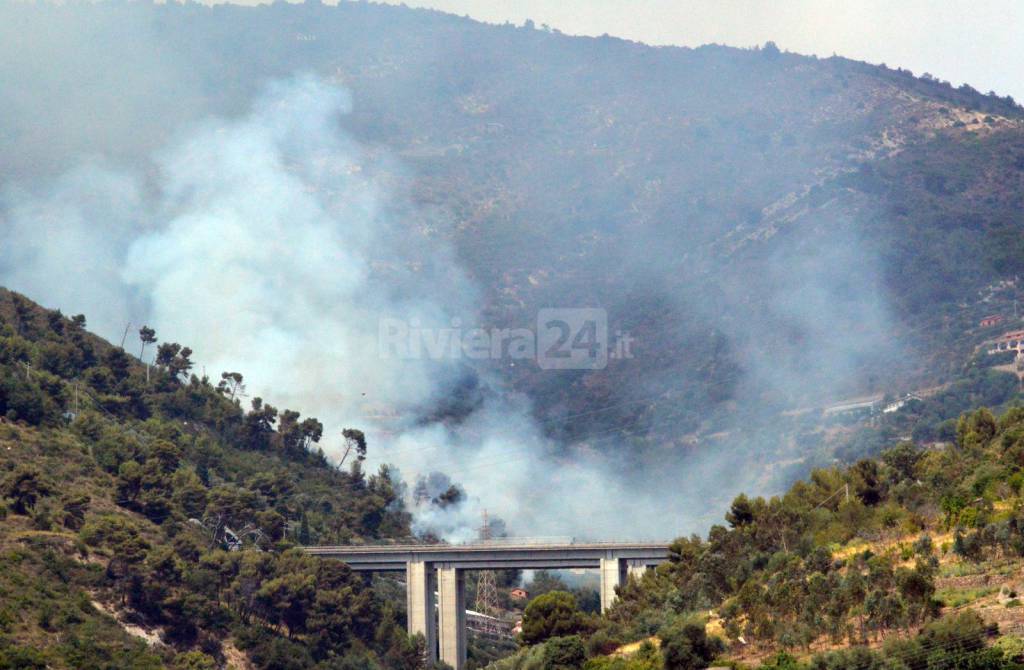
486,588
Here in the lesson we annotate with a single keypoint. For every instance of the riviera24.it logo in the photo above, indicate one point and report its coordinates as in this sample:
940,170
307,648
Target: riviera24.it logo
562,339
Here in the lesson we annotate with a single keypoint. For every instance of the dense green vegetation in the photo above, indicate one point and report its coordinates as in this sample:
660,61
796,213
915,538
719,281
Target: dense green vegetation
155,494
841,570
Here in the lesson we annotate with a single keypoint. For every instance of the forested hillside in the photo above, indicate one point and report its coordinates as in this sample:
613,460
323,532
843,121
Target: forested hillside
148,521
810,257
155,497
909,561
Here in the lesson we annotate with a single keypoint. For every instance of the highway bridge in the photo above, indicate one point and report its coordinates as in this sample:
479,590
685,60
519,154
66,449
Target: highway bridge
440,569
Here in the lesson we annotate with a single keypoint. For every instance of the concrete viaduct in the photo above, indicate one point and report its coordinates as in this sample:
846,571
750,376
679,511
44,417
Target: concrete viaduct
441,568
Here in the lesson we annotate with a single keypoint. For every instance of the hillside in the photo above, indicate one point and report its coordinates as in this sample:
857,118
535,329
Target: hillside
147,519
909,561
809,257
771,228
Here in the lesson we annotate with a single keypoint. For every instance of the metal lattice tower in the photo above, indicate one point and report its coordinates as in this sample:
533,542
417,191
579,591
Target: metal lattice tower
486,588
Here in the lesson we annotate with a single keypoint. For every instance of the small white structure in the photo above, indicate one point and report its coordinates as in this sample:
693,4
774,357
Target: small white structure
897,405
1011,341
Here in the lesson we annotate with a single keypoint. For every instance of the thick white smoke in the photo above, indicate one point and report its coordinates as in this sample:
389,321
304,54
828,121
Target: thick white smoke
271,245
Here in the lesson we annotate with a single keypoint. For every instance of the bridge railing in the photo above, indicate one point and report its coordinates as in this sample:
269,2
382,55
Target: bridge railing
528,541
409,541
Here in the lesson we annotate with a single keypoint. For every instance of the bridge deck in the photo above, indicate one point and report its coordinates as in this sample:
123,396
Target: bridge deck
494,555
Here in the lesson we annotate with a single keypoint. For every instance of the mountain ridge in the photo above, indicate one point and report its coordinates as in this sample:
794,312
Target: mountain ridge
773,229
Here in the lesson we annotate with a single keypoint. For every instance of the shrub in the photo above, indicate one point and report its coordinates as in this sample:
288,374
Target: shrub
688,647
193,660
564,653
553,614
25,486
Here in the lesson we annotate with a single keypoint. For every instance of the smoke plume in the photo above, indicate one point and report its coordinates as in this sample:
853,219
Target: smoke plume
271,245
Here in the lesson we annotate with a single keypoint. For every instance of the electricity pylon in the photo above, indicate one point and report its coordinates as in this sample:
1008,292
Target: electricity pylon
486,589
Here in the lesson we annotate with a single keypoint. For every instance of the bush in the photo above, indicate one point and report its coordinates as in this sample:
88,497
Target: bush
25,486
553,614
688,647
22,658
42,516
194,660
784,661
564,653
962,632
21,400
602,642
1012,648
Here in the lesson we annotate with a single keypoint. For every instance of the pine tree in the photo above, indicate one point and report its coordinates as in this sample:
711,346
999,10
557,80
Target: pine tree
147,336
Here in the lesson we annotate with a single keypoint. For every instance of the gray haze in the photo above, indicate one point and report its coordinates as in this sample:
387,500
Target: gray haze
267,245
259,229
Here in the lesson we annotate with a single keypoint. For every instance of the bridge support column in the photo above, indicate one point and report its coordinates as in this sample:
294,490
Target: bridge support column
421,583
451,610
613,573
636,568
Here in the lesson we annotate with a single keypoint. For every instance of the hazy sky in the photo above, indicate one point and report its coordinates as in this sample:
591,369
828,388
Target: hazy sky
980,42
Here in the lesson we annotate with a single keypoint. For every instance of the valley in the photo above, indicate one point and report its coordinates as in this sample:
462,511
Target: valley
734,331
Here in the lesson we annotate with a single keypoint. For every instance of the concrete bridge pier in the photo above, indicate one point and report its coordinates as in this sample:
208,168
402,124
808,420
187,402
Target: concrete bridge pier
614,571
451,608
421,584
